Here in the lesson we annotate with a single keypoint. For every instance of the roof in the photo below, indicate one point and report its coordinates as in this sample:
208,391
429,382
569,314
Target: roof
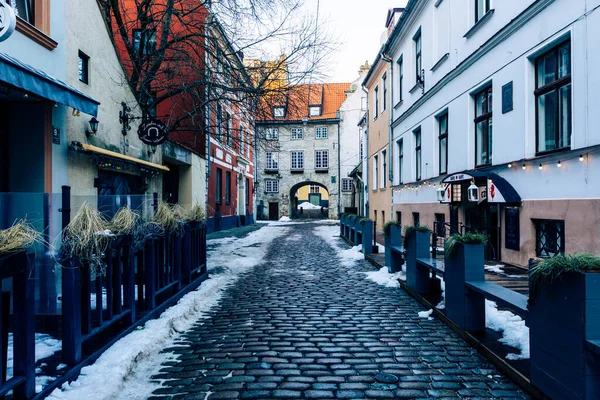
297,100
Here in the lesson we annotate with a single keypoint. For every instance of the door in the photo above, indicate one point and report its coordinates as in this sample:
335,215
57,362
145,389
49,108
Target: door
273,211
116,190
453,219
171,184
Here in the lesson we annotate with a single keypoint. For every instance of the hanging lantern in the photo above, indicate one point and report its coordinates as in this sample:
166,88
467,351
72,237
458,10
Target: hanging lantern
473,192
440,194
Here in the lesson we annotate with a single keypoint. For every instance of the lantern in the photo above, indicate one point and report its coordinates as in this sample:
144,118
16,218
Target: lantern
473,192
440,194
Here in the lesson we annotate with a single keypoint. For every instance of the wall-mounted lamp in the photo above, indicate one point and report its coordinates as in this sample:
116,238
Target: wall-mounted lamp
93,126
440,194
473,192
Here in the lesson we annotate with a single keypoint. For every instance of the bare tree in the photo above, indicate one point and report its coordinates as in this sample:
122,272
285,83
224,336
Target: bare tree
184,58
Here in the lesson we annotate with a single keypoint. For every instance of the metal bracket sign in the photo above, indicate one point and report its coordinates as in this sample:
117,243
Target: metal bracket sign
8,21
153,132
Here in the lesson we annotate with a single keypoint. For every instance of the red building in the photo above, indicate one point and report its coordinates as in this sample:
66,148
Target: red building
191,81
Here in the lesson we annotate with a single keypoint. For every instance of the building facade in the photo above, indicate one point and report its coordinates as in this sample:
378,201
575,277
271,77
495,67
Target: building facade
498,100
302,148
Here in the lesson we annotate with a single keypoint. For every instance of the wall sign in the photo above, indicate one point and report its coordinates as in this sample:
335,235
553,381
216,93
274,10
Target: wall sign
153,132
8,21
55,135
512,232
507,97
457,178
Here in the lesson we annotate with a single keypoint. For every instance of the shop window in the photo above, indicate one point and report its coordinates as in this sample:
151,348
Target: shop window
549,237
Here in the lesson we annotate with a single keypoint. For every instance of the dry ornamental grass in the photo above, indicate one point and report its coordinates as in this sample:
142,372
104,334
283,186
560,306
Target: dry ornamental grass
19,237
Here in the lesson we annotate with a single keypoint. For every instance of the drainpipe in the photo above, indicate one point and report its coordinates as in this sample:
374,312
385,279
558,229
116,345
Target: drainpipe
387,59
207,89
339,199
366,166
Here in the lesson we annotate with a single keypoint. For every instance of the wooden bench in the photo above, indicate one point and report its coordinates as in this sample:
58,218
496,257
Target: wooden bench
433,264
397,258
503,296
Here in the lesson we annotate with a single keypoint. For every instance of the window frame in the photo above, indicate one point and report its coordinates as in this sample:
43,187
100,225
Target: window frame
418,154
560,242
227,187
299,160
326,159
400,63
314,189
83,60
219,122
384,92
320,129
276,108
219,186
376,99
487,7
554,86
273,161
384,168
269,134
294,133
376,171
441,137
347,185
487,116
418,43
274,185
400,144
319,111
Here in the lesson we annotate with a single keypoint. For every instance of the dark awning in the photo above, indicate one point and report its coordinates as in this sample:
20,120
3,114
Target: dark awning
498,188
32,80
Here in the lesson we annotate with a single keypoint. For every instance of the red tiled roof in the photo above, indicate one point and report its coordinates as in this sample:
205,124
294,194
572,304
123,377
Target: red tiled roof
297,100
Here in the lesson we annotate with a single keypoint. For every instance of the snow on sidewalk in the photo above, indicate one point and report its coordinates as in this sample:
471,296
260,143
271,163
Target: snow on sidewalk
125,369
331,235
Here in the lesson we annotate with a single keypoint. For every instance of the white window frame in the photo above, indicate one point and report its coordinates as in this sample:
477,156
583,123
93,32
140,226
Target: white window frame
319,132
272,160
314,189
375,172
315,111
321,159
278,112
272,134
298,157
297,134
347,184
271,186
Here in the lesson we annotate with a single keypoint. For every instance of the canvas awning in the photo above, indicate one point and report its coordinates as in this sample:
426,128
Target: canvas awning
498,188
32,80
83,147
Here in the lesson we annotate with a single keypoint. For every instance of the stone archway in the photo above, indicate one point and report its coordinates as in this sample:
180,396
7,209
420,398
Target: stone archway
306,202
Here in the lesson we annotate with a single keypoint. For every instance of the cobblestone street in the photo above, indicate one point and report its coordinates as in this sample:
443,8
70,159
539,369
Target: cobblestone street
302,326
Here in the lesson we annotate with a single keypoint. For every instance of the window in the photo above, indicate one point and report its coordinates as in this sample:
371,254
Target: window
272,160
272,186
443,143
84,67
376,98
272,133
279,112
297,160
400,160
321,159
456,193
314,111
375,172
242,139
321,133
249,136
416,219
219,191
219,122
383,169
315,189
399,218
417,134
247,192
144,41
296,133
553,99
400,78
23,9
347,185
228,128
418,58
483,127
384,83
360,143
440,225
227,187
481,8
549,237
363,104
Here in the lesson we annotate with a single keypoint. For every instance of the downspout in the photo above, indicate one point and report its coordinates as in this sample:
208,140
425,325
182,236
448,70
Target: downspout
366,166
207,119
339,157
387,59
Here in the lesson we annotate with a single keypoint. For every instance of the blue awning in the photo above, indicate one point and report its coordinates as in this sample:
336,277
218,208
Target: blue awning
32,80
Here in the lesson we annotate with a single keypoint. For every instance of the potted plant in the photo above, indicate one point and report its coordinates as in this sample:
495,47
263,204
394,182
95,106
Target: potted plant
464,261
564,314
416,245
392,233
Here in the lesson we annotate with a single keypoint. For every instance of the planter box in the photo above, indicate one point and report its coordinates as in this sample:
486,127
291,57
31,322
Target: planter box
367,237
564,314
466,264
417,246
393,239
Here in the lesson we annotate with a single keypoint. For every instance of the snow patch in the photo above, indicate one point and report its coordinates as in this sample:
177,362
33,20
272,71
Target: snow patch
499,269
331,235
385,278
308,206
285,219
513,329
426,314
124,371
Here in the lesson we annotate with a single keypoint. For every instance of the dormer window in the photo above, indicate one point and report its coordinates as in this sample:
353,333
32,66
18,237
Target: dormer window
278,112
314,111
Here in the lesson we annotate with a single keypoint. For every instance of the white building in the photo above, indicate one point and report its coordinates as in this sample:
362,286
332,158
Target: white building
524,68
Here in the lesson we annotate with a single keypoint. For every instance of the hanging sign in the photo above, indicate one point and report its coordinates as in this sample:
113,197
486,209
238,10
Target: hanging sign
447,197
153,132
457,178
8,21
493,194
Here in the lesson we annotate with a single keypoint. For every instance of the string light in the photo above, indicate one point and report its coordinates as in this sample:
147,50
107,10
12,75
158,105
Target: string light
540,167
509,165
524,167
581,157
558,164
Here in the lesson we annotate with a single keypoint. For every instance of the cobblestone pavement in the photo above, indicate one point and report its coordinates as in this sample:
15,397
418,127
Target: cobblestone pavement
302,326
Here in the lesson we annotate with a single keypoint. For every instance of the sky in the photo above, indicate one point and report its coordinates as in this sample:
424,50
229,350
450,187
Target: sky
358,24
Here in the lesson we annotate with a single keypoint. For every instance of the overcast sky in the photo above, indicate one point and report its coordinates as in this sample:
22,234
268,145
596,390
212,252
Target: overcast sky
358,24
